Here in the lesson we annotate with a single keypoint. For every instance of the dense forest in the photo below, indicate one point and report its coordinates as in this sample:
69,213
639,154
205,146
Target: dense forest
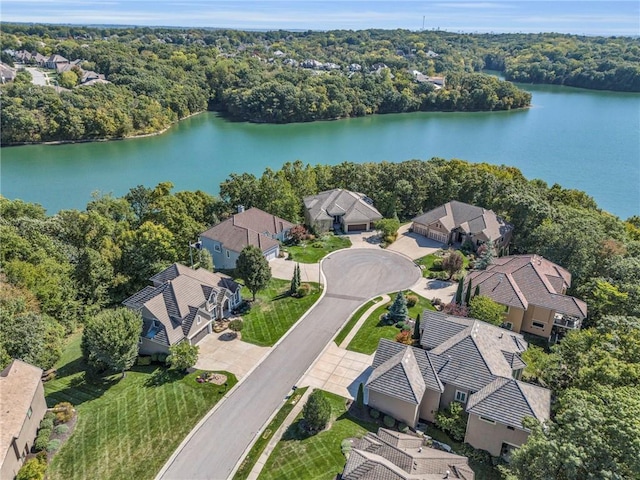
58,271
158,76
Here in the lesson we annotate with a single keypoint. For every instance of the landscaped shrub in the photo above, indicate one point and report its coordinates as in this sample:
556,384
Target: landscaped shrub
412,300
154,357
388,421
389,239
53,445
316,412
33,469
236,325
317,245
42,440
400,325
63,411
61,429
162,358
404,337
453,421
345,446
47,421
437,265
303,290
373,413
403,427
143,361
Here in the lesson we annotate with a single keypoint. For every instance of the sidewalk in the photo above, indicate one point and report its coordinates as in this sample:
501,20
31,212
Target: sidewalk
363,318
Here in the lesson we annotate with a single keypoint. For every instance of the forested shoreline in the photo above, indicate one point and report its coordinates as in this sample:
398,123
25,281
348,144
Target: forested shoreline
159,76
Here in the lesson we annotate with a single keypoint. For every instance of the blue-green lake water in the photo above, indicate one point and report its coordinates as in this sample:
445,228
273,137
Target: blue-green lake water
580,139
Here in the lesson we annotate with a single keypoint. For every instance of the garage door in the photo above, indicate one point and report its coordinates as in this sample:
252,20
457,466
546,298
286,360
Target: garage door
199,336
271,255
437,236
357,227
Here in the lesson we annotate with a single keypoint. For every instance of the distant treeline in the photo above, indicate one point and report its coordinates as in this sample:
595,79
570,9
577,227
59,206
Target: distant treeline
161,75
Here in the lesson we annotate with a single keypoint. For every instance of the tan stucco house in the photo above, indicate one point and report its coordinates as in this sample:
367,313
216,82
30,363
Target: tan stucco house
181,305
340,209
393,455
533,291
462,360
22,407
457,222
254,227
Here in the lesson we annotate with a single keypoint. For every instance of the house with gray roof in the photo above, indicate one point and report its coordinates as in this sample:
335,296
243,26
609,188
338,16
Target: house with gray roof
393,455
458,222
532,289
254,227
340,209
181,305
461,360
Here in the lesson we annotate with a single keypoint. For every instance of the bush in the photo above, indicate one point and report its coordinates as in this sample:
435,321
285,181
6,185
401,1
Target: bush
437,265
33,469
317,411
61,429
63,411
412,300
373,413
453,421
42,440
47,421
403,427
236,325
389,239
317,245
53,445
143,361
162,358
345,446
303,290
400,325
154,358
404,337
388,421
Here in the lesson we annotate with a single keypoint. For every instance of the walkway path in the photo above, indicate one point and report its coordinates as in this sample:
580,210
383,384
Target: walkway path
362,319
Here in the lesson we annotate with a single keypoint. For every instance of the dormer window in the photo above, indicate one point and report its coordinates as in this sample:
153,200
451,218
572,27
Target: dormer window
198,320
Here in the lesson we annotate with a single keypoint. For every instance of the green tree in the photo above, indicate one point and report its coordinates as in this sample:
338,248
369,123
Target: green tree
68,79
110,339
253,269
398,312
485,309
452,262
317,411
453,420
387,226
416,328
485,255
236,325
360,396
467,296
458,296
33,469
183,355
295,280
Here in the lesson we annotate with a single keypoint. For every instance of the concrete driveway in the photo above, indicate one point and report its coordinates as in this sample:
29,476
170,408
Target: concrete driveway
220,440
413,245
283,269
218,352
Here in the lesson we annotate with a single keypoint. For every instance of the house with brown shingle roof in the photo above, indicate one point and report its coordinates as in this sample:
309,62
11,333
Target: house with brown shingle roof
181,305
340,209
22,407
532,289
393,455
461,360
254,227
458,222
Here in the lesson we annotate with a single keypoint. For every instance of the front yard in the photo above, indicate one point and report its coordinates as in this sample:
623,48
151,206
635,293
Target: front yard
366,340
431,265
129,427
274,312
311,251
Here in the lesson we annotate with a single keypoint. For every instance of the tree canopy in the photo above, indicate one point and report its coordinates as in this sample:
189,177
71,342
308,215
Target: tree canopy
253,269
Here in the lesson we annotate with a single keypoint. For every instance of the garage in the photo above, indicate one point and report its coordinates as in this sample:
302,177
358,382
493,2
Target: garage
200,335
357,227
437,236
270,255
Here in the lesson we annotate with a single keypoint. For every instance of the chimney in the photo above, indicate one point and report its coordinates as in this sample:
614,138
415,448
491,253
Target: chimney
240,208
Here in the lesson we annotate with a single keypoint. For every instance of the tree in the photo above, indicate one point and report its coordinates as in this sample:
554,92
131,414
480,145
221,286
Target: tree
458,297
416,329
110,339
295,280
360,396
453,420
485,255
398,311
485,309
387,226
253,269
317,411
206,260
467,296
452,263
297,234
68,79
183,355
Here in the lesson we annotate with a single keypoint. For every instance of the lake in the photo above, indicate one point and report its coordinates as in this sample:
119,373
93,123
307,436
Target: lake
581,139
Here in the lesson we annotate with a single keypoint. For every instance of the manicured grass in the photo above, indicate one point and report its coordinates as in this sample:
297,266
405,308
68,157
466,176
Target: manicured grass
318,457
258,447
127,427
274,312
427,263
366,340
312,251
354,319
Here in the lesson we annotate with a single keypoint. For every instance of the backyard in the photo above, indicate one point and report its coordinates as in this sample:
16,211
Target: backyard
373,329
274,312
127,427
311,251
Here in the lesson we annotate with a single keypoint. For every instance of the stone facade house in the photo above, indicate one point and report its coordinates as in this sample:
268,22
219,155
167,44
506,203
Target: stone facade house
393,455
181,305
457,222
255,227
533,291
462,360
23,407
340,209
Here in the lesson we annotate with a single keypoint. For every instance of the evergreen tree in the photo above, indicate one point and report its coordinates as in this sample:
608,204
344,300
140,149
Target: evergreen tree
467,297
486,256
297,272
398,311
458,297
360,397
253,269
416,329
317,411
476,292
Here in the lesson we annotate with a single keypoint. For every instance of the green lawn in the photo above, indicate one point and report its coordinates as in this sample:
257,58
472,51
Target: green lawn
427,263
354,319
318,457
127,428
312,251
258,447
274,312
366,340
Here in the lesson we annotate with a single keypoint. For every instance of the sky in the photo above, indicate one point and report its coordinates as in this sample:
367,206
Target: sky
589,17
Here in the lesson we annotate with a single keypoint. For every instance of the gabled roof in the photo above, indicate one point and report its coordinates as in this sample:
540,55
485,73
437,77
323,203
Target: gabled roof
398,456
18,385
509,401
354,207
521,280
481,223
251,227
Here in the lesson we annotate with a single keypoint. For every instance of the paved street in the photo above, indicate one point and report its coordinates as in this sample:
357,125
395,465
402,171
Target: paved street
38,77
219,442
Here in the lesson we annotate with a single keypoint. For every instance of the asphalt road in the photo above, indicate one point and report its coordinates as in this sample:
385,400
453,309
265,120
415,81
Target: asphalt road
353,276
38,77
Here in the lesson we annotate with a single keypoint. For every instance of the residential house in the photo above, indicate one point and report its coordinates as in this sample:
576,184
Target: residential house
533,291
255,227
340,209
457,222
463,360
393,455
7,74
54,61
181,305
23,407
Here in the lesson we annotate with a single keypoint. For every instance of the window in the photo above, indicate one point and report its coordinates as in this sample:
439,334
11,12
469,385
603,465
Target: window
538,324
228,254
508,325
216,248
487,420
461,396
29,412
199,320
